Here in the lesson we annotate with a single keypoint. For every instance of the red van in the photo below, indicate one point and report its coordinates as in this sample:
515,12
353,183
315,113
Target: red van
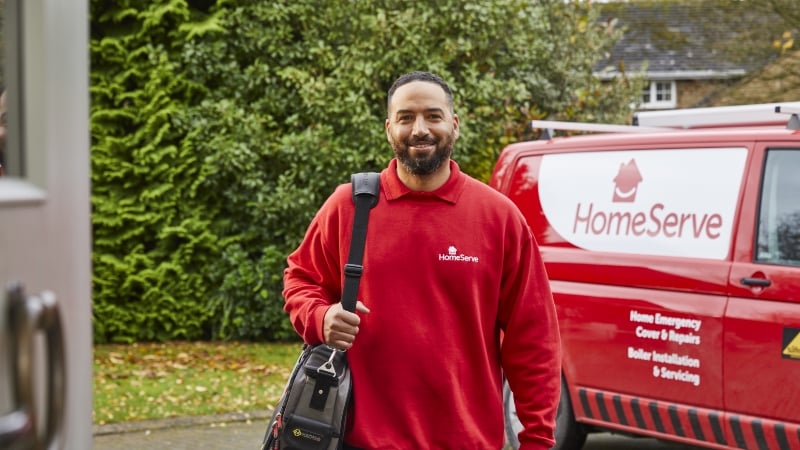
673,249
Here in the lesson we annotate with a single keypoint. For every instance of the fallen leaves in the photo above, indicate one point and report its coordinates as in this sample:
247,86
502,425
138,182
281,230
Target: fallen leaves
150,381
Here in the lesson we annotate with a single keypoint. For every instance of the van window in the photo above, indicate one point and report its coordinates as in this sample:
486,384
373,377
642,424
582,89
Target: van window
779,215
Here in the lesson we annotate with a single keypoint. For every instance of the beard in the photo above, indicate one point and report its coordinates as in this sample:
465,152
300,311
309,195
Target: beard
423,165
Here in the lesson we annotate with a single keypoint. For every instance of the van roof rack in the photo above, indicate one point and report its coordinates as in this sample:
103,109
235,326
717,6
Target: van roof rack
794,118
765,114
547,127
721,116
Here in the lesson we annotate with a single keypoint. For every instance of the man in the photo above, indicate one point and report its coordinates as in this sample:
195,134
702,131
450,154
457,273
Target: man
449,265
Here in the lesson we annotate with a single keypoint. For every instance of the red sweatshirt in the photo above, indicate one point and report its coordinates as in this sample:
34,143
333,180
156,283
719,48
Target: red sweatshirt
445,272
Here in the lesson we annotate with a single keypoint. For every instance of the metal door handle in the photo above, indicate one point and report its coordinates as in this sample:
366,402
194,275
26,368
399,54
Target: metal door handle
759,282
26,317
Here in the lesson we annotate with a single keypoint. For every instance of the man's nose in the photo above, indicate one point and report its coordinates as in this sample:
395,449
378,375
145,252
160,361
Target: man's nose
420,127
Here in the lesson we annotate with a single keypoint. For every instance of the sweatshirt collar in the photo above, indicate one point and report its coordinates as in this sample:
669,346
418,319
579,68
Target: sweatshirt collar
450,191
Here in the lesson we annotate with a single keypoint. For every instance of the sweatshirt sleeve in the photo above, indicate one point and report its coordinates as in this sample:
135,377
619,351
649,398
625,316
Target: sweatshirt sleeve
312,279
531,348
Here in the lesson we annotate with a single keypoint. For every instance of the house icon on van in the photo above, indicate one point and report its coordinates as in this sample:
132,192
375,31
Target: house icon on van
626,183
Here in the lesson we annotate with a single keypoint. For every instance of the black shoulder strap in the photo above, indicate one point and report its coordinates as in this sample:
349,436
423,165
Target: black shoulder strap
366,186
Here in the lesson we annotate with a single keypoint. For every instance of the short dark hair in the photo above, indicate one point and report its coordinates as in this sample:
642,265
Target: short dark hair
420,76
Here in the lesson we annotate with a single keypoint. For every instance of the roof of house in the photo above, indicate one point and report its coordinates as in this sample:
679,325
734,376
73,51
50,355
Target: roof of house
685,39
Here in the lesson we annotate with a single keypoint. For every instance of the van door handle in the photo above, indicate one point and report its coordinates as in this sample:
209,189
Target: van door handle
758,282
26,317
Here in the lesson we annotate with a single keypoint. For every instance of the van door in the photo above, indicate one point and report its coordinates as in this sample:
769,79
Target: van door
640,307
762,322
45,231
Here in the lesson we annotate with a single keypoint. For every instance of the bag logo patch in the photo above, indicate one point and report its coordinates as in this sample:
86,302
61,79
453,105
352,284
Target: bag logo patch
297,432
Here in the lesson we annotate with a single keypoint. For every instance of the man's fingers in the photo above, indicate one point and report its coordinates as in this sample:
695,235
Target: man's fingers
362,308
342,341
346,317
340,327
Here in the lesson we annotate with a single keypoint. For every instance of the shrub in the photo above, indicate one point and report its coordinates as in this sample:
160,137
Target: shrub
220,127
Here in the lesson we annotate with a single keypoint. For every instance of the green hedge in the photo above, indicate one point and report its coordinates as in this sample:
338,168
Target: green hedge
218,129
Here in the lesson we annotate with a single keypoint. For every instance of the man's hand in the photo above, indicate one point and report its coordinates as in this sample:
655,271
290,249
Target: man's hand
340,327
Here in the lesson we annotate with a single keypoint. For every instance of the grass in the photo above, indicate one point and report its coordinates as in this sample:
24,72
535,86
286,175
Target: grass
179,379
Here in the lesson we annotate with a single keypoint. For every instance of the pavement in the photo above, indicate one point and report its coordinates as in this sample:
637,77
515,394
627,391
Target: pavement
246,430
225,431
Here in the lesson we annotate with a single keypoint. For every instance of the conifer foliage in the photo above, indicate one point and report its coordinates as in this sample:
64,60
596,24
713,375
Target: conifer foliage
219,127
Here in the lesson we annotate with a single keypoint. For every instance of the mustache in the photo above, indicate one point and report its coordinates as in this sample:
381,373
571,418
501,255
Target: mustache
421,141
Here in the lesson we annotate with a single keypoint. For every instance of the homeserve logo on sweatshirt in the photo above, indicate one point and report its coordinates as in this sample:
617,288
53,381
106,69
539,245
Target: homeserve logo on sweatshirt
453,255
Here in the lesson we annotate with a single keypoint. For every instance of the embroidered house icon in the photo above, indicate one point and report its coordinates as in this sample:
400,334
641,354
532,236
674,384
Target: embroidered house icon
626,182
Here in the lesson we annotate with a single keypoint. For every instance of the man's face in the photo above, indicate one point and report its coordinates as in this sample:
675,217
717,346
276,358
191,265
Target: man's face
421,128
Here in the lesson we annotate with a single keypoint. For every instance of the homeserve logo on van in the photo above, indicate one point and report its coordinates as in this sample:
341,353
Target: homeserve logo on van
660,202
656,220
626,183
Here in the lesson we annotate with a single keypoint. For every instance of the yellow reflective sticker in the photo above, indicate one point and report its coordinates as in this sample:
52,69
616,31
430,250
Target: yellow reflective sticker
791,345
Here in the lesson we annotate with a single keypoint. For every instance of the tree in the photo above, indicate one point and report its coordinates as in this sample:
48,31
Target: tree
153,243
275,103
790,16
787,10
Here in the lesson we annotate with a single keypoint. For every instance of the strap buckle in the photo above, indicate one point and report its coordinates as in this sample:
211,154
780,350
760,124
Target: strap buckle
353,270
